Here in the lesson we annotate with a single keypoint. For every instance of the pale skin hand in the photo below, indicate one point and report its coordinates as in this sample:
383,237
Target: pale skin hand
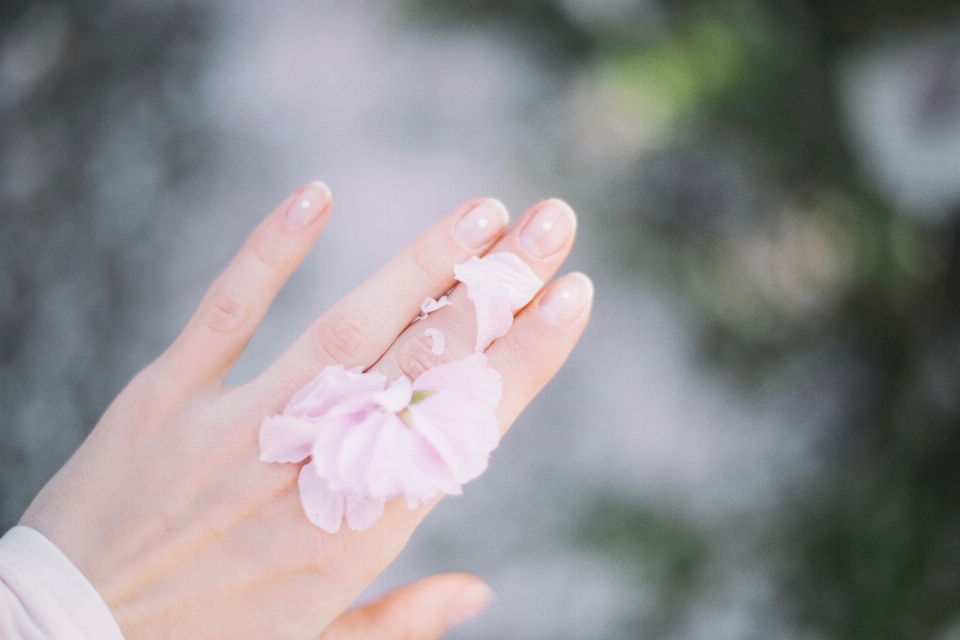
166,507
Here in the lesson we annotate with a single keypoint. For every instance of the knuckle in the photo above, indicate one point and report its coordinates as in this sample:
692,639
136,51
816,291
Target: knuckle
335,553
414,356
396,617
528,357
226,311
433,270
268,249
343,340
142,406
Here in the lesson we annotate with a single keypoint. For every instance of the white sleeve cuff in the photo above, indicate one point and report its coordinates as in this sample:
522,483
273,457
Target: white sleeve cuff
56,601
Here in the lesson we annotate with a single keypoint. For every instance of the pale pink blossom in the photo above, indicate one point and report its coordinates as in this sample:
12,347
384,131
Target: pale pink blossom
289,437
368,443
498,284
439,342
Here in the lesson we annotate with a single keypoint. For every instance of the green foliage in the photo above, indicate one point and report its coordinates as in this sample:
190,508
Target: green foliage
792,253
662,548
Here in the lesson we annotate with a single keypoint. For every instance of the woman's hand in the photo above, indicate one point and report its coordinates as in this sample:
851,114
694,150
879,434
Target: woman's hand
166,507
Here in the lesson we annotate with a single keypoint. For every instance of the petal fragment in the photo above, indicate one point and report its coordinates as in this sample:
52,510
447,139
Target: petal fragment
323,506
498,284
462,439
329,388
363,513
439,342
430,305
396,397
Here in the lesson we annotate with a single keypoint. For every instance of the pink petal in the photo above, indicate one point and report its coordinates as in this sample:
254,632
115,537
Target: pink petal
324,507
439,343
330,387
459,420
481,386
355,451
286,438
327,451
403,463
498,284
463,444
396,397
363,513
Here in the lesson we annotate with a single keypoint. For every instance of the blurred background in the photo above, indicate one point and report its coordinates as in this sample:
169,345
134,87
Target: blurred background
759,434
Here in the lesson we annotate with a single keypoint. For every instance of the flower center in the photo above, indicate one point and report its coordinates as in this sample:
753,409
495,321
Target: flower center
418,396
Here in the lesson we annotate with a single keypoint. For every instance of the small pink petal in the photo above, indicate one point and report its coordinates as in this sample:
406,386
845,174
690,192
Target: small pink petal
324,507
328,449
403,463
354,451
430,305
463,439
363,513
329,388
464,453
439,342
286,438
479,385
498,284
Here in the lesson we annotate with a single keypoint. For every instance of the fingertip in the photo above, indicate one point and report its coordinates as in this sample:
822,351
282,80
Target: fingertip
481,224
587,282
468,601
567,299
565,207
309,205
237,301
327,193
422,610
547,230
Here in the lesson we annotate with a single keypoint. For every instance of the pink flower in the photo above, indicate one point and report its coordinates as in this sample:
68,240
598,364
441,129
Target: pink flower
368,444
498,284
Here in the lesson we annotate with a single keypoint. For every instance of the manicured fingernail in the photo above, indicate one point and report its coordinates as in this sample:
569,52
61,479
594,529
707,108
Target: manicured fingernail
548,229
468,603
566,298
482,224
309,204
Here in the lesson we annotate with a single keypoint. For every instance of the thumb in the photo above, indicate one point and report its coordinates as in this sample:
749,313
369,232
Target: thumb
422,610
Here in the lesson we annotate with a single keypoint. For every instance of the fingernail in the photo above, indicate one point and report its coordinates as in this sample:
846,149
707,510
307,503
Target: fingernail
548,229
308,205
566,298
482,224
468,603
